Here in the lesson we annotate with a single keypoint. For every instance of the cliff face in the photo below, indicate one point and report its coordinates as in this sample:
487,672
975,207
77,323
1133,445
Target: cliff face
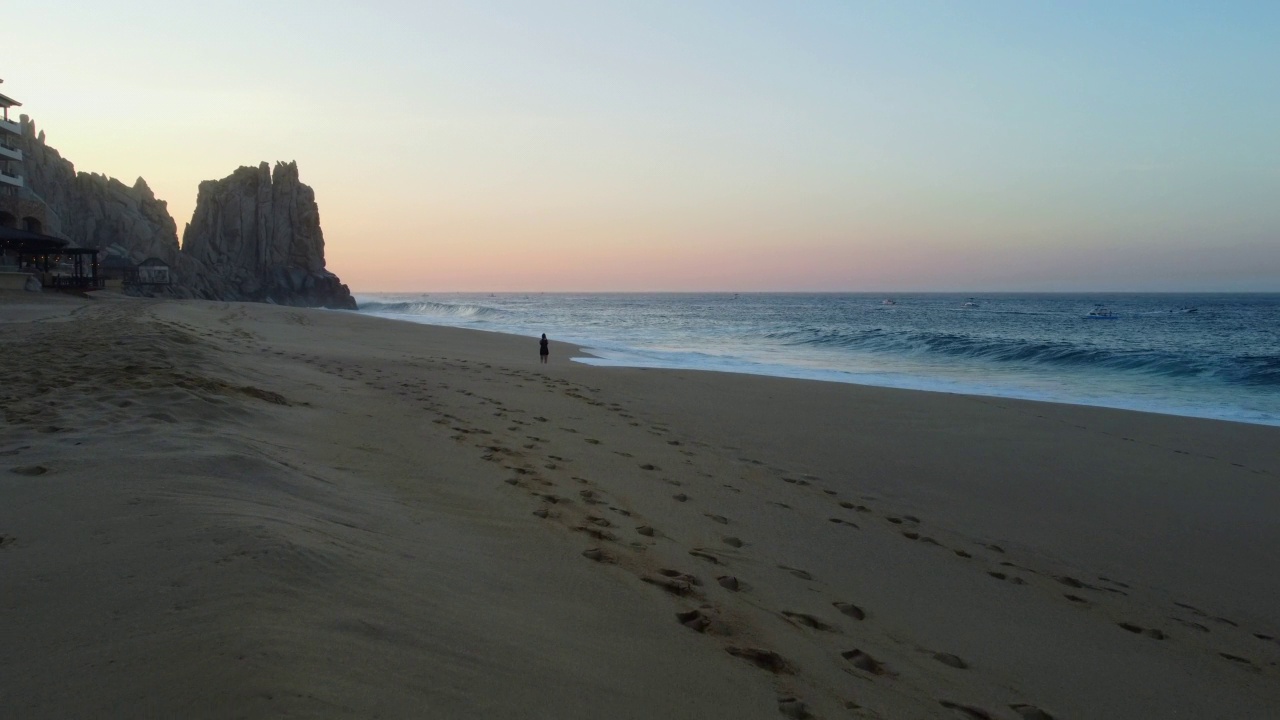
94,210
254,235
257,236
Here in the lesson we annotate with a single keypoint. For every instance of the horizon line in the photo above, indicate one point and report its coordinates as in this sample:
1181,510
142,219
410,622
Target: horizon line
819,292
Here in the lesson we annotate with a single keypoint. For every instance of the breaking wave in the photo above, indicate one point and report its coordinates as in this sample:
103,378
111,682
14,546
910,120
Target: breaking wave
1252,370
431,309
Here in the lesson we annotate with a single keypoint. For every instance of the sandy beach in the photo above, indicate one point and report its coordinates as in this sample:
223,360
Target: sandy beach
243,510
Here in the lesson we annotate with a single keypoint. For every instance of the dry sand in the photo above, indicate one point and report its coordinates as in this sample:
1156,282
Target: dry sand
229,510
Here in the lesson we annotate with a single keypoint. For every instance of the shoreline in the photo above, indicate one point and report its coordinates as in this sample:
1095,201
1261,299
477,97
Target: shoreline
220,509
912,384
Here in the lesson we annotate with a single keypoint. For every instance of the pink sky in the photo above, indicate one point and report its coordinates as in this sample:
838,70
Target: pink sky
715,146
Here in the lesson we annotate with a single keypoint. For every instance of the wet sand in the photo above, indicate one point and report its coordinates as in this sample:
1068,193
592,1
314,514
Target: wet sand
230,510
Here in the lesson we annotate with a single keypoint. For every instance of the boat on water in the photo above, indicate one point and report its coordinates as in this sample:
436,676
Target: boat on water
1101,313
970,303
888,301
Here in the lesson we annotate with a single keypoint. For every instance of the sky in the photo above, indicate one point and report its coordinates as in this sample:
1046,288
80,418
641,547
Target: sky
681,146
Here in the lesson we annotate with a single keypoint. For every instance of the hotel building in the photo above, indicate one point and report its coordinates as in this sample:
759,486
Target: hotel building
10,155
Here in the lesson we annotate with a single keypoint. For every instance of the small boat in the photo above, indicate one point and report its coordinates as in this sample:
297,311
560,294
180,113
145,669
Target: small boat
969,303
1100,313
888,301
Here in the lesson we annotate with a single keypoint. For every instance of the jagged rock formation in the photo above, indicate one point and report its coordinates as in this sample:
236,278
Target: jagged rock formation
94,210
254,235
255,219
257,234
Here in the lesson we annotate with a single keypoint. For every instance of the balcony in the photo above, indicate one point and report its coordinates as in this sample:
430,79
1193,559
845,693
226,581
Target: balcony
7,179
10,126
8,153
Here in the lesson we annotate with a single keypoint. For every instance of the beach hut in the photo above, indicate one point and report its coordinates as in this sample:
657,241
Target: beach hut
153,271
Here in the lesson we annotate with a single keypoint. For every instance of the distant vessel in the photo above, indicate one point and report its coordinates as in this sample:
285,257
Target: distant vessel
970,303
1100,313
888,301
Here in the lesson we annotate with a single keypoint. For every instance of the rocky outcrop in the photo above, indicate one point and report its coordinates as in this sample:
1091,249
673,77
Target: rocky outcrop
94,210
255,235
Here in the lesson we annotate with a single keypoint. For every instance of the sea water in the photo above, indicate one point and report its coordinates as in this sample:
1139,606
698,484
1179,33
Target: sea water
1215,356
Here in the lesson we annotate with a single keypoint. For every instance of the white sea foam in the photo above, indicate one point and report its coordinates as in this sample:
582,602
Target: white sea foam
1219,362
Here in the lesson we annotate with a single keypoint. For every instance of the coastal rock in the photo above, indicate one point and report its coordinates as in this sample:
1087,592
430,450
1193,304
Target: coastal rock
92,210
255,235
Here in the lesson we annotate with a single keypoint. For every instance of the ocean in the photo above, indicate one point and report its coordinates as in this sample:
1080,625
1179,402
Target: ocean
1201,355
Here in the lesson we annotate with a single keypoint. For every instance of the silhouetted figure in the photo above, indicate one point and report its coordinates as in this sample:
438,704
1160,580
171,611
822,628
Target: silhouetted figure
544,348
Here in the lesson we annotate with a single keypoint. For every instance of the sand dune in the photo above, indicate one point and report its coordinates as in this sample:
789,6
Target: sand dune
224,510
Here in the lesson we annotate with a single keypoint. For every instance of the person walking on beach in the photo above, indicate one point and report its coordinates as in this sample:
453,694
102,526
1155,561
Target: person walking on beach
543,348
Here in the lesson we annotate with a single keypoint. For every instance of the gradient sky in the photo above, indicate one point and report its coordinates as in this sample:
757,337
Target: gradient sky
738,145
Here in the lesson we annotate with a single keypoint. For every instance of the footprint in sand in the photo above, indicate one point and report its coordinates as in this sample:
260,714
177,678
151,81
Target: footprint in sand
704,555
731,583
694,620
766,659
1073,582
802,574
673,581
864,662
1238,659
1139,630
1030,712
968,710
793,707
598,555
951,660
850,609
30,470
807,620
1190,624
1013,579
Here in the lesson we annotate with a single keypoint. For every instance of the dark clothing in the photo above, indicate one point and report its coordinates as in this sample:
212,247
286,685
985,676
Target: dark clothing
543,348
